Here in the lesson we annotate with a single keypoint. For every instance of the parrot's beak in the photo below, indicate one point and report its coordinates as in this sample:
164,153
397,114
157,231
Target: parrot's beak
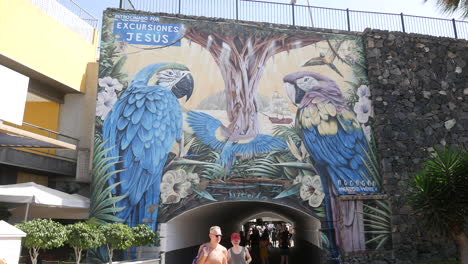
184,87
299,95
294,93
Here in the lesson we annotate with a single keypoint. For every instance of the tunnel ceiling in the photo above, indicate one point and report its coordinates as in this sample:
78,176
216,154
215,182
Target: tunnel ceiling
243,211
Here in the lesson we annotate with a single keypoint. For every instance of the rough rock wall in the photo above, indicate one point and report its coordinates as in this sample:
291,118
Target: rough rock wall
419,87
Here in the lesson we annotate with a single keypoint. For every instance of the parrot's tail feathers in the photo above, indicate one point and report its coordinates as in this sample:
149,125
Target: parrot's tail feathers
143,212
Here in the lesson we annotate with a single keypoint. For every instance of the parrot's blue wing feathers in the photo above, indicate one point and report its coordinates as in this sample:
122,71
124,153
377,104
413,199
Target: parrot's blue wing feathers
340,155
204,126
141,129
260,144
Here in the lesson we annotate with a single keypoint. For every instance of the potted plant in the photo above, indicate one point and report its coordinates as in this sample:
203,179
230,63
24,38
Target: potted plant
42,233
143,235
117,236
83,236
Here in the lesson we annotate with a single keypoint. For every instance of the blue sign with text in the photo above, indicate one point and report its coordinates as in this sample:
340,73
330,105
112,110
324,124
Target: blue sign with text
148,33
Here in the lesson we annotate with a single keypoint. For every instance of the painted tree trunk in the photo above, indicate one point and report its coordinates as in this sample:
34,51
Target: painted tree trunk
241,60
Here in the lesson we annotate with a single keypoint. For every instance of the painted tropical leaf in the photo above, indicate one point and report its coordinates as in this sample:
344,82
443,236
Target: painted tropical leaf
325,241
291,190
102,206
204,194
371,163
377,223
298,165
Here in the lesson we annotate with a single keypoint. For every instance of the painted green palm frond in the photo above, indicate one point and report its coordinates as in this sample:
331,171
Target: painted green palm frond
371,163
297,165
319,212
97,255
291,190
213,171
325,241
204,194
103,170
286,132
263,167
105,202
102,202
377,223
198,147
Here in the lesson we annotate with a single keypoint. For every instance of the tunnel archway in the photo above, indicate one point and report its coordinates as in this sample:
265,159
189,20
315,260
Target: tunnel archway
181,235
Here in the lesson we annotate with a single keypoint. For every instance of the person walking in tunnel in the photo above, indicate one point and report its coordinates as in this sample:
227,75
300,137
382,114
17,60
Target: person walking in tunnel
264,242
284,244
213,252
238,254
255,243
274,237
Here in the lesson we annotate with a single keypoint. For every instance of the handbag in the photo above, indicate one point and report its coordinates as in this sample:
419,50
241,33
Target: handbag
196,258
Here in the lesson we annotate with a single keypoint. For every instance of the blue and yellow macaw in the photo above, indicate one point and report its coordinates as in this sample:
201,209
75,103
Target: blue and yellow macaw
332,136
141,130
213,133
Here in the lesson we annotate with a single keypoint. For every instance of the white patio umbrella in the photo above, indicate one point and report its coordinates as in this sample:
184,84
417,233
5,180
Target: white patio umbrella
42,201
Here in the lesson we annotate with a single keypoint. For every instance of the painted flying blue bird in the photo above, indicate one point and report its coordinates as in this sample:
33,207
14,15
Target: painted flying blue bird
332,136
141,129
213,133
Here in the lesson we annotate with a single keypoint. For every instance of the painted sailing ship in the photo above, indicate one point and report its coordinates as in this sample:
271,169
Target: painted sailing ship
279,110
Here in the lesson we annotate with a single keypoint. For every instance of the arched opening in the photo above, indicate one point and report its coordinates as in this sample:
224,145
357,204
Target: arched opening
181,235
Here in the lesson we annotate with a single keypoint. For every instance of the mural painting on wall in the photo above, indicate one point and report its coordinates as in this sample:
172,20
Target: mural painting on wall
191,112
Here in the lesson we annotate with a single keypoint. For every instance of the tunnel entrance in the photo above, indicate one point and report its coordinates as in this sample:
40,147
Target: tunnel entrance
182,235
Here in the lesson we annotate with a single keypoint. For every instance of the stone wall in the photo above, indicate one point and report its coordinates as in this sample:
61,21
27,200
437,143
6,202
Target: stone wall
419,87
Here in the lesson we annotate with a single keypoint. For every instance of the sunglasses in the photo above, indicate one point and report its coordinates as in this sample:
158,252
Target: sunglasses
217,235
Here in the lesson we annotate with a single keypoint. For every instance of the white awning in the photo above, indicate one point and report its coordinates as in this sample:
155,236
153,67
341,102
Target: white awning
44,202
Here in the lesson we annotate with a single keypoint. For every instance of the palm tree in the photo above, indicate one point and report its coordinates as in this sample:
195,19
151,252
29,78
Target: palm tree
439,196
452,6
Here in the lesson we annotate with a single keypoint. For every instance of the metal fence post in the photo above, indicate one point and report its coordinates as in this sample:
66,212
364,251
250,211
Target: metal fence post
454,27
347,17
237,10
293,18
402,22
180,3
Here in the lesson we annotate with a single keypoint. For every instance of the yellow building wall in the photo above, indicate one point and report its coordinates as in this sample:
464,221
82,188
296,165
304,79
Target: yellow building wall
42,114
38,41
45,115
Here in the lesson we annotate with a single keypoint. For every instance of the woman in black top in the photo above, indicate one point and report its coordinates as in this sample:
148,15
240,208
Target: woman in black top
284,244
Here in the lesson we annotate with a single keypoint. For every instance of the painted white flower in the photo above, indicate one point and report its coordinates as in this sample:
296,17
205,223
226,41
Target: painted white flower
193,178
311,190
110,84
105,102
177,184
367,131
363,91
298,179
363,109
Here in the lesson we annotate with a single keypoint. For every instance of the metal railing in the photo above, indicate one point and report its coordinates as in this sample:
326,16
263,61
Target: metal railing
303,15
71,15
66,154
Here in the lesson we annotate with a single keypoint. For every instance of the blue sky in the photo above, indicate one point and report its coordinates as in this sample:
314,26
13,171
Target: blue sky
410,7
